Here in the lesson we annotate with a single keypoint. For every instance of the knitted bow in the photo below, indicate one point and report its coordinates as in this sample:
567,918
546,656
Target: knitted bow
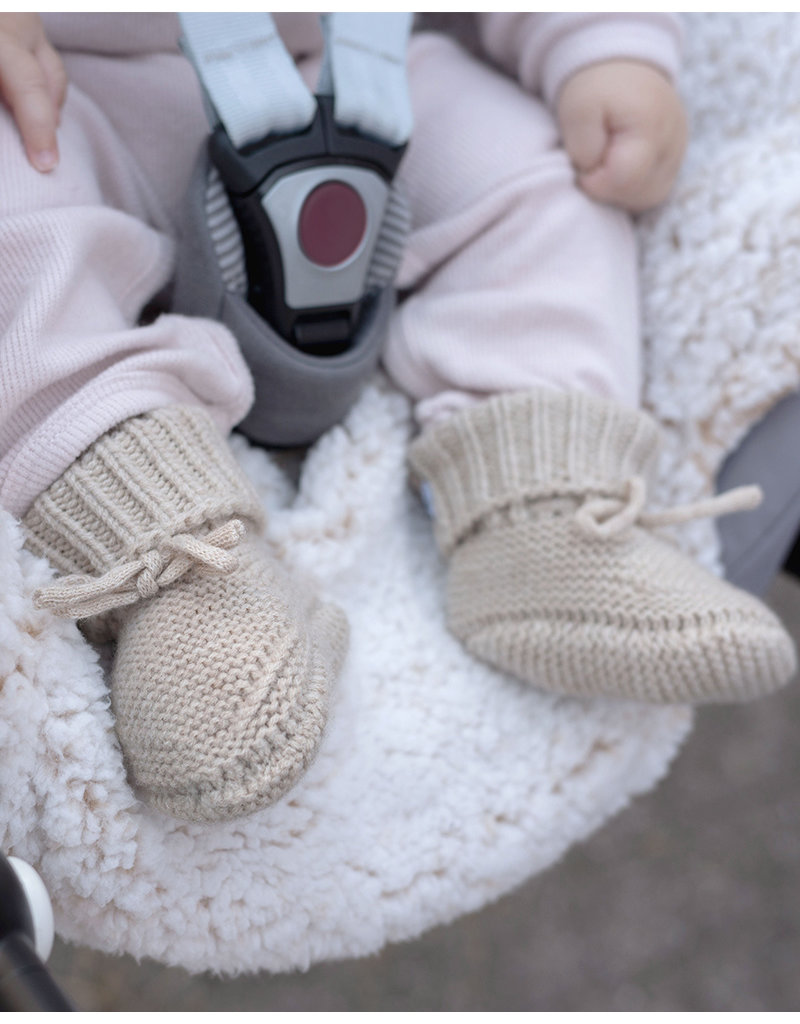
606,517
80,596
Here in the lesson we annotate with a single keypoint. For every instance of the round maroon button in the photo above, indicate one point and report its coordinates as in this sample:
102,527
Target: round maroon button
332,223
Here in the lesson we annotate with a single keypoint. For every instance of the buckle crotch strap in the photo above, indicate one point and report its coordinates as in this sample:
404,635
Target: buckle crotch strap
608,517
80,596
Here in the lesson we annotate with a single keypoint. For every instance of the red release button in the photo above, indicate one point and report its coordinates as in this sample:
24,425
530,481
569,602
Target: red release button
332,223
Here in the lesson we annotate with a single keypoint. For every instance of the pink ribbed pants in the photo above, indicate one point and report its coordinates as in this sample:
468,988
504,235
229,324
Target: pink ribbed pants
512,278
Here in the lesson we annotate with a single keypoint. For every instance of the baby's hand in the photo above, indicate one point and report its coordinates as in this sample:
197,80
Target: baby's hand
33,84
624,128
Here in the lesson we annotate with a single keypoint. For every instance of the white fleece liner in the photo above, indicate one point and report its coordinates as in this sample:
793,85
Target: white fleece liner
440,784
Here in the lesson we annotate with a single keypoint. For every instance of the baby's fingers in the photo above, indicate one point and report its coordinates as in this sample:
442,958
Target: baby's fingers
33,101
585,138
629,176
55,75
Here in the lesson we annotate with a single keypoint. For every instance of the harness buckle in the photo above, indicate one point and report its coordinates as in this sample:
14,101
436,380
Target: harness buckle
310,206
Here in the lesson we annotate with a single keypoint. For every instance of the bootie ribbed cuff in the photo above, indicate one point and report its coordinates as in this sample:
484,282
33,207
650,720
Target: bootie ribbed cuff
164,473
529,445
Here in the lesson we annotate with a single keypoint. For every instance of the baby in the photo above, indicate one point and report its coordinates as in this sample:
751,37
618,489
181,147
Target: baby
517,337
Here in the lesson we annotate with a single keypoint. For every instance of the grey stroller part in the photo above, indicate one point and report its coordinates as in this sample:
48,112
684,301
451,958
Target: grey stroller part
391,241
225,235
294,228
298,396
755,546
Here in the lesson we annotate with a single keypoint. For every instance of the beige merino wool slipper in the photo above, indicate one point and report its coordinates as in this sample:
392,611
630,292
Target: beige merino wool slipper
222,668
557,573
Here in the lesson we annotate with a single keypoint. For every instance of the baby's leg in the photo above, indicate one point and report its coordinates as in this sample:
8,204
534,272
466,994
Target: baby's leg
81,256
519,340
517,279
113,450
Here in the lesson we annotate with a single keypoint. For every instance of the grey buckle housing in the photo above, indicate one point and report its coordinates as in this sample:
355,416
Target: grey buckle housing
298,396
292,235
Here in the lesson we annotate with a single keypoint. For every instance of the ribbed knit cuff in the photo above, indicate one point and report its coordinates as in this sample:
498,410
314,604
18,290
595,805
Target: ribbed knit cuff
167,472
651,38
528,445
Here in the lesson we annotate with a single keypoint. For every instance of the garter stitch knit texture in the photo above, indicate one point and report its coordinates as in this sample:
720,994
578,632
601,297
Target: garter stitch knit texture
222,666
554,573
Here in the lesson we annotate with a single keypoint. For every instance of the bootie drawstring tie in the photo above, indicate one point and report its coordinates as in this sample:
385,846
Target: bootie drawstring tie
608,517
80,596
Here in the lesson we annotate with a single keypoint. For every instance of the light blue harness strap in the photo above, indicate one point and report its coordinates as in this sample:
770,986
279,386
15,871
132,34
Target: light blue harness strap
365,70
253,88
249,80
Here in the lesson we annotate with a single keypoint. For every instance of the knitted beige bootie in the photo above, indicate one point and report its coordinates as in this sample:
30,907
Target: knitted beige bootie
556,574
222,667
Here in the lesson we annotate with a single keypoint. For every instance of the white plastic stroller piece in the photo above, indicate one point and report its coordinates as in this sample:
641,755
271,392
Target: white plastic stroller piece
26,938
40,906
